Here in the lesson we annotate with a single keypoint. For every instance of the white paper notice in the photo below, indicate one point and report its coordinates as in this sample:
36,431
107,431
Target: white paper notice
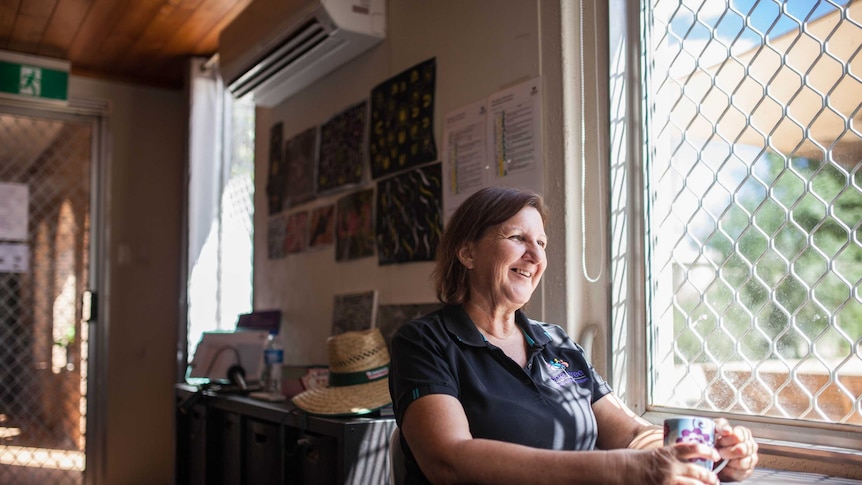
515,136
465,165
493,142
14,258
14,201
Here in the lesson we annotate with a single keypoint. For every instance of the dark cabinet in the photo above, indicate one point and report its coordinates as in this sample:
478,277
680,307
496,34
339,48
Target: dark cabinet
263,450
223,451
234,440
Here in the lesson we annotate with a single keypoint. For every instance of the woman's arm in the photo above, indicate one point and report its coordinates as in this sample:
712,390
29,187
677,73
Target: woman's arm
437,431
629,430
620,427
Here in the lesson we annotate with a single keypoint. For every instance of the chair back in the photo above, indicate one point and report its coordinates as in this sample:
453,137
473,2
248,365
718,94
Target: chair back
397,468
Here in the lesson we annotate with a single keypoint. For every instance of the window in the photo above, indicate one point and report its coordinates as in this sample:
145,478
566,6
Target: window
220,206
750,171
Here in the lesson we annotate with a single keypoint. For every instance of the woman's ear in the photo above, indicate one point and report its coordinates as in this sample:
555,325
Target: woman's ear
465,255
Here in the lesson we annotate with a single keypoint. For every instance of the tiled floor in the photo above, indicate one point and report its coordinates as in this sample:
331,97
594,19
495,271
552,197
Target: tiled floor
766,476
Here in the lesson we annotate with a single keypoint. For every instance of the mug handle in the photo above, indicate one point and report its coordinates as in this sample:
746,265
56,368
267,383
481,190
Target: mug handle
720,466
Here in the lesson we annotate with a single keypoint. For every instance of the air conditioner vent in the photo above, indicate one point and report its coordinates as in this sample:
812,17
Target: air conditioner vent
275,48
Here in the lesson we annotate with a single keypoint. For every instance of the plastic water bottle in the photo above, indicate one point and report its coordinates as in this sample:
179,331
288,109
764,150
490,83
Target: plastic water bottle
273,358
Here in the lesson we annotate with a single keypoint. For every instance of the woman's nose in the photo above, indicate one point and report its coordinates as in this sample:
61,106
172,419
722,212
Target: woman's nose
535,252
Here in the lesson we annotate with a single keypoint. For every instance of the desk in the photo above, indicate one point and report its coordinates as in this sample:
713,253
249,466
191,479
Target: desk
230,439
764,476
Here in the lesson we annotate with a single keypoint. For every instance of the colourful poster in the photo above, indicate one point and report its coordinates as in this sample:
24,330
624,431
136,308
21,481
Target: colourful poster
409,217
355,226
299,153
275,175
342,143
321,229
402,120
295,232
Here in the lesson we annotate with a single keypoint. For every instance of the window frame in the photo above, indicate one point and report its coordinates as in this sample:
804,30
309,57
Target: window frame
833,445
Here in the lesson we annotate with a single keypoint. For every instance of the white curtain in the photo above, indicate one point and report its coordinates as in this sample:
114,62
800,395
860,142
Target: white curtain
220,188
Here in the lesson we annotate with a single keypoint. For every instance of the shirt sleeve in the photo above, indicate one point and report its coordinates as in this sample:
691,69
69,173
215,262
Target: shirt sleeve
600,387
419,366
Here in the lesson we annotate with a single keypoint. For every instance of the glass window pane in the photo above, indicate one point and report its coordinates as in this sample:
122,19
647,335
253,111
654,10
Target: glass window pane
753,203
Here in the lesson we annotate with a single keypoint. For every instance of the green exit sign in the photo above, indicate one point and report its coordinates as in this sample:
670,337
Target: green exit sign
32,77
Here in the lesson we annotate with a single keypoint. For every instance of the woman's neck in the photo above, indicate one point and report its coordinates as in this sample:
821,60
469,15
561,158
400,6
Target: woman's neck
492,321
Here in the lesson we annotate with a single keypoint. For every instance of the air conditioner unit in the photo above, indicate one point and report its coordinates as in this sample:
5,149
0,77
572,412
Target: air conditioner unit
275,48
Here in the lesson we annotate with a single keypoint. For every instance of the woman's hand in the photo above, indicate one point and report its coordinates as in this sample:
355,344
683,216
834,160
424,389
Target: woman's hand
671,465
737,445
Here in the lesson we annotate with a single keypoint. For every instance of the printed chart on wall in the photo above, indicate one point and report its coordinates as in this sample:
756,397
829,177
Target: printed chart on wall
495,141
14,220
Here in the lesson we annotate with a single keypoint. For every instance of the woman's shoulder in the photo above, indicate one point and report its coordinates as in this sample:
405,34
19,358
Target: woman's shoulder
428,322
556,335
444,324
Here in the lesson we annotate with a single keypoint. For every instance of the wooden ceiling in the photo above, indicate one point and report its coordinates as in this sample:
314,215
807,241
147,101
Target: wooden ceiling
139,41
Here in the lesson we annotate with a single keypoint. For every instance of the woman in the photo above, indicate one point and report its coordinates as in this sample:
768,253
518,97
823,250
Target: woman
482,394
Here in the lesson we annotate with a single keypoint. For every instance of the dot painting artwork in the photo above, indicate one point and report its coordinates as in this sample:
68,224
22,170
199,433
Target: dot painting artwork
341,149
409,218
402,121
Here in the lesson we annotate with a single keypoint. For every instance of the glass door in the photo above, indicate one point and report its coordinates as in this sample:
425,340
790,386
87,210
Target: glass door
47,159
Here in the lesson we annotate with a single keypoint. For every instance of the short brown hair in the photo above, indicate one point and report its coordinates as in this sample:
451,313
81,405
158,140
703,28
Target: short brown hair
487,207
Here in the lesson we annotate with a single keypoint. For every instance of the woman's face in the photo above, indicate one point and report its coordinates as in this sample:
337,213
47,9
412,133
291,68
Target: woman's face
508,261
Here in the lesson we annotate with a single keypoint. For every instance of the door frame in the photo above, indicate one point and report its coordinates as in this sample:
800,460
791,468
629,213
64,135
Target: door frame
95,112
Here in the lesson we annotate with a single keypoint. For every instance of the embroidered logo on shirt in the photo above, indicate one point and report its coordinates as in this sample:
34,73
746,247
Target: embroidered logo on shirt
565,377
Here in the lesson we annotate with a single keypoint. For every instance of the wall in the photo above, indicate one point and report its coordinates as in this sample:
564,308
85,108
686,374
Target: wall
480,47
146,143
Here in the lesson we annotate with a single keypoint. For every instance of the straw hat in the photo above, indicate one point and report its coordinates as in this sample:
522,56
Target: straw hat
358,376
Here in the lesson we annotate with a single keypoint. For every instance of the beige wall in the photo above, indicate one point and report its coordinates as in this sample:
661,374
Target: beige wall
480,47
146,133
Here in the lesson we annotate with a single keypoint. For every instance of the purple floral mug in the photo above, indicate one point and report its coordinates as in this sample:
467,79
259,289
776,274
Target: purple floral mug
692,430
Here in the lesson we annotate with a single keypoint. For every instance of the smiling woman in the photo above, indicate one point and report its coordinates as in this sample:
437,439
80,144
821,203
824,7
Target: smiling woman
484,394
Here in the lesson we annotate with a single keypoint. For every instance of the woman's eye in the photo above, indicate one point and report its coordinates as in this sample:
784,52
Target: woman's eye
516,237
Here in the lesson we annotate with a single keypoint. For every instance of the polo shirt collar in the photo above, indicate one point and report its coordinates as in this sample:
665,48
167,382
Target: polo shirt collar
459,324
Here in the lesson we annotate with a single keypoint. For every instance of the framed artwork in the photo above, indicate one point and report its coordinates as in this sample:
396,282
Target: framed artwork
354,228
299,153
391,317
402,120
409,215
354,311
295,232
341,153
321,229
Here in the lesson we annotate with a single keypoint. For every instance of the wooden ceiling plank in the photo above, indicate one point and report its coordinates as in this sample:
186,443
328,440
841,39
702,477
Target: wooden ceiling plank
142,41
187,40
63,27
208,43
30,24
171,18
204,21
135,21
8,12
101,17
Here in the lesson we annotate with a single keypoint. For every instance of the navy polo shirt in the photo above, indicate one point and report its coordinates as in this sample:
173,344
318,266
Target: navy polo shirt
545,405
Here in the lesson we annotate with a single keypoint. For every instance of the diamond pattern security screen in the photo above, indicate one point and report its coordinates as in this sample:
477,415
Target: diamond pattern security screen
753,176
45,167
